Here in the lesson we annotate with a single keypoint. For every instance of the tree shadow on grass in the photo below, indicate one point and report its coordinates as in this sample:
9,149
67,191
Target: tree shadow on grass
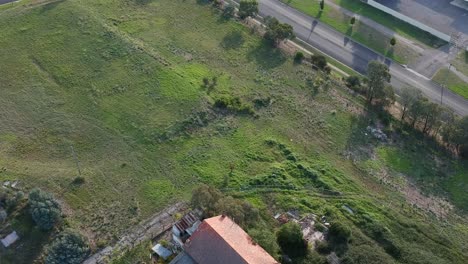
266,55
232,40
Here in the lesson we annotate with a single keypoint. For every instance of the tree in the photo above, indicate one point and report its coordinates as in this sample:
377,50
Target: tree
431,115
45,210
290,240
408,97
248,8
68,248
322,5
459,136
352,21
378,76
416,110
205,198
393,41
277,31
339,233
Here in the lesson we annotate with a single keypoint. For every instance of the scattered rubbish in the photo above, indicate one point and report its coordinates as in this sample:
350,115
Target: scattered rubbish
377,133
347,208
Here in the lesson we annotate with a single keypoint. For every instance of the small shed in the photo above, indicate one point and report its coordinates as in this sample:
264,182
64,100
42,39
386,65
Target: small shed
10,239
162,251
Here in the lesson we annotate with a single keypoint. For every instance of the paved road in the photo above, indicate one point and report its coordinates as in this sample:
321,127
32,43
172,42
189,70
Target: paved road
355,55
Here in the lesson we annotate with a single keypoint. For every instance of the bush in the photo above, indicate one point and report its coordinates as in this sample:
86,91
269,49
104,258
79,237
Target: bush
339,233
68,248
45,210
322,247
319,61
228,11
79,180
299,57
234,104
290,240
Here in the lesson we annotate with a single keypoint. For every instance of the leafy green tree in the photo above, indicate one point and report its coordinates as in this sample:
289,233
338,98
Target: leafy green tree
290,240
248,8
458,135
352,21
431,115
322,5
68,248
205,198
45,210
393,41
276,31
409,96
416,110
378,76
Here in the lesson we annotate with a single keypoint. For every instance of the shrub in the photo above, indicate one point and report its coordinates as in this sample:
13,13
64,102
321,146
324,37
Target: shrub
233,104
228,11
79,180
339,233
322,247
68,248
319,61
45,210
299,57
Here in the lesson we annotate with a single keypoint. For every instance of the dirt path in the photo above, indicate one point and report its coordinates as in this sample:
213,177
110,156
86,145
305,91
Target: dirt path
152,227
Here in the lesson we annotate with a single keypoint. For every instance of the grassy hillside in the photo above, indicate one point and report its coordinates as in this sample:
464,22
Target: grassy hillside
121,82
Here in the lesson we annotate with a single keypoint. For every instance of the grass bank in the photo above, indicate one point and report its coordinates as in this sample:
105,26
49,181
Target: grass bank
452,81
157,97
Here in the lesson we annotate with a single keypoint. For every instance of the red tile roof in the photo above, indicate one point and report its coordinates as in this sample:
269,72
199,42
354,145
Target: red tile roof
220,240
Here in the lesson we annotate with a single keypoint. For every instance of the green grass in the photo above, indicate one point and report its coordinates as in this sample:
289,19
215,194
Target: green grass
111,79
359,32
461,62
452,81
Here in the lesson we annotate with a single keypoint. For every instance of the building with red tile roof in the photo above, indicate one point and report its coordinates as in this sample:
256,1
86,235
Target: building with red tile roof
219,240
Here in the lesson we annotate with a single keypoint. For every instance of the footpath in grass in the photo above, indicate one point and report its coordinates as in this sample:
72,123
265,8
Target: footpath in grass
452,81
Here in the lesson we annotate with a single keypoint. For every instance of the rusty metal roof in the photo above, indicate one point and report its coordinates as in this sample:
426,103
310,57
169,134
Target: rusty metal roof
187,221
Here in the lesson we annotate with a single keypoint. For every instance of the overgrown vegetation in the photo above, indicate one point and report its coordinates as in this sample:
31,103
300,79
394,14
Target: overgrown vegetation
115,81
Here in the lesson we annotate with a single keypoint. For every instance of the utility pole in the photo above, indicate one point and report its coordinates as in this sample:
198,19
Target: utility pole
455,44
76,160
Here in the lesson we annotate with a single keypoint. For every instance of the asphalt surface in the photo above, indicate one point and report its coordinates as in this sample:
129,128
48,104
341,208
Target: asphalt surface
6,1
355,55
438,14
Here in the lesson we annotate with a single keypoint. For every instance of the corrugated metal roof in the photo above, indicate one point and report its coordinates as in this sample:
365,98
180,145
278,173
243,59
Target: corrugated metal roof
10,239
162,251
220,240
186,222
